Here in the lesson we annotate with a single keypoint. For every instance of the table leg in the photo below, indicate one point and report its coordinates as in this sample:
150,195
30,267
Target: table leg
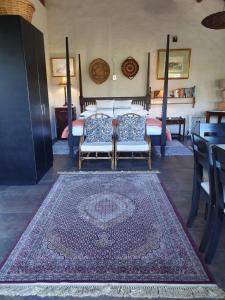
207,119
219,119
183,130
179,130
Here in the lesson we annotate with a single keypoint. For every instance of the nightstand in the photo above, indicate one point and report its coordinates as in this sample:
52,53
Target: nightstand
61,119
176,121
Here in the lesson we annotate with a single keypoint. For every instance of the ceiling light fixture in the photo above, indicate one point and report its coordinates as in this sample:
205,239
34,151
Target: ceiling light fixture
216,20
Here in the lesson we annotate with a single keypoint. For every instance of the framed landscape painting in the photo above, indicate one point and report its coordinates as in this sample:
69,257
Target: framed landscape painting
58,65
179,63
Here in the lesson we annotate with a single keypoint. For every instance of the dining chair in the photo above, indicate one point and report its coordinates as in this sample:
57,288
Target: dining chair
98,138
203,185
212,129
131,137
218,155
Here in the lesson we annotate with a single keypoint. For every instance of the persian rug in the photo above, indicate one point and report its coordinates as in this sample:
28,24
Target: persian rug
106,234
173,148
62,148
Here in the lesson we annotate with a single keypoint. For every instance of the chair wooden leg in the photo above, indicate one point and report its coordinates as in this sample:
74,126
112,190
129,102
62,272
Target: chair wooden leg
112,162
206,213
194,203
149,160
80,160
207,231
115,160
217,227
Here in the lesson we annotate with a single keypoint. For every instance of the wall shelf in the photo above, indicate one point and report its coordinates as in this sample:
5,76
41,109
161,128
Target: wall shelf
172,100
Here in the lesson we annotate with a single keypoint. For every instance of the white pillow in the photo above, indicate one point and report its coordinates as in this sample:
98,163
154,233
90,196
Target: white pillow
105,111
87,113
122,111
122,104
135,107
104,104
91,108
142,112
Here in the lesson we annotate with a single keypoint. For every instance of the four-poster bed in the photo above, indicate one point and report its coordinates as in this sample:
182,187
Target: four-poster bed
145,101
165,98
69,99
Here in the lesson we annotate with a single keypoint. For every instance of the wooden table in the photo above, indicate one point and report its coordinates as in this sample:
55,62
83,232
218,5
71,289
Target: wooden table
176,121
217,113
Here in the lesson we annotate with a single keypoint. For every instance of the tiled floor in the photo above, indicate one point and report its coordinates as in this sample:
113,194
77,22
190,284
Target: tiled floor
19,203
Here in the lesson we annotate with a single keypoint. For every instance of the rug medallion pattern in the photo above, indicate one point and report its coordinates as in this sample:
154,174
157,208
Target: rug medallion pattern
105,227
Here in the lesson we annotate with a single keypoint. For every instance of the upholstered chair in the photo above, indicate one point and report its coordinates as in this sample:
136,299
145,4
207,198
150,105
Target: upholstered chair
219,205
97,139
203,185
131,137
212,129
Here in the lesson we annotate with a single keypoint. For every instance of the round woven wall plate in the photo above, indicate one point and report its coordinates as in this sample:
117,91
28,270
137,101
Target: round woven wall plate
99,70
130,67
215,21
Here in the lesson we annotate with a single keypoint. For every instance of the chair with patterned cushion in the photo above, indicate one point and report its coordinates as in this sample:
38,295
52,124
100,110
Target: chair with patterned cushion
97,138
212,129
203,185
131,138
219,207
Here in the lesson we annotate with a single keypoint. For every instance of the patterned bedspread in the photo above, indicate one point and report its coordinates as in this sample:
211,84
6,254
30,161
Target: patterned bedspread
149,122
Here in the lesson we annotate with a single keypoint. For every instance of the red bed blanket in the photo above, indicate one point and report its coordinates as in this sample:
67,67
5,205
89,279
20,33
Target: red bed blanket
149,122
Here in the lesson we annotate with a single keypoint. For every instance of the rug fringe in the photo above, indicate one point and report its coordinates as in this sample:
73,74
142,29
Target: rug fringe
106,172
150,291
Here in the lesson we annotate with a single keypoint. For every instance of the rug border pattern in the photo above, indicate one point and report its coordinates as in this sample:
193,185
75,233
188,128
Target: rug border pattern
150,291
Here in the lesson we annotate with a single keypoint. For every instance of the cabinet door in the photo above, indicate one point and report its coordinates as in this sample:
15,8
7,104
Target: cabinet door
17,164
43,90
34,96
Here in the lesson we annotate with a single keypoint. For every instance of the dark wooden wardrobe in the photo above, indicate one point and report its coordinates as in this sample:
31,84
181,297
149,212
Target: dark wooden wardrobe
25,131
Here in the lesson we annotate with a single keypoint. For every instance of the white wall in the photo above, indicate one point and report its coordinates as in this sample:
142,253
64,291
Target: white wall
40,17
114,30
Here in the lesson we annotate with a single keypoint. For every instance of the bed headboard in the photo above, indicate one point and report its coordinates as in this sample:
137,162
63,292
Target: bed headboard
142,100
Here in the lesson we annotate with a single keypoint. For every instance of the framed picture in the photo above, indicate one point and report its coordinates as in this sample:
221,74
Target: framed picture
179,63
58,65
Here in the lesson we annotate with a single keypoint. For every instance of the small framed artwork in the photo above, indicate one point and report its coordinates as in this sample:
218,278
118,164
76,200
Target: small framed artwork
58,65
179,63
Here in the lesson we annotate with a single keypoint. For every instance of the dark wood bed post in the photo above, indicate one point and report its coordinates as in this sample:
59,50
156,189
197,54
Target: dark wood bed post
165,98
69,99
81,85
148,85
